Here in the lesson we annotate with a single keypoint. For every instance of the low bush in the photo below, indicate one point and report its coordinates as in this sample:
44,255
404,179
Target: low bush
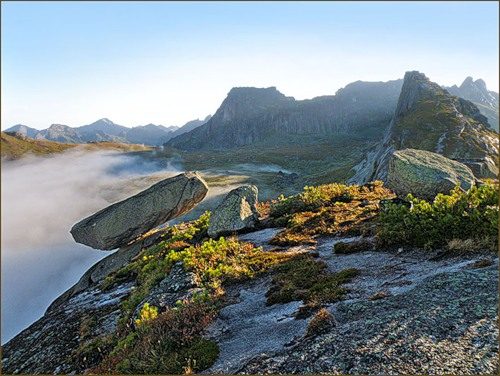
147,313
304,278
353,247
217,261
460,215
320,323
326,210
171,343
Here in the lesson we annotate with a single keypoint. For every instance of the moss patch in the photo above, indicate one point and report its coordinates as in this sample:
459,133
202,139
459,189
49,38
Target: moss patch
304,278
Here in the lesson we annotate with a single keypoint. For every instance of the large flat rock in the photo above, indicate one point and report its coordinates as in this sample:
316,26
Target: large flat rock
124,221
425,174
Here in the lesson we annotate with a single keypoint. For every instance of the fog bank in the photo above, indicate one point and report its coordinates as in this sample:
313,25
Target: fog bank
41,199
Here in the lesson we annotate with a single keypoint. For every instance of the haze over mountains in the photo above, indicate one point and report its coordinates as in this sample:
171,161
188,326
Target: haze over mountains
456,122
252,115
484,99
428,117
105,130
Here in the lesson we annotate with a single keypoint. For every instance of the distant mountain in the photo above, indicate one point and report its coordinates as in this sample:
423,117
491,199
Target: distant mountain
427,117
105,130
149,134
189,126
102,130
60,133
484,99
252,115
24,130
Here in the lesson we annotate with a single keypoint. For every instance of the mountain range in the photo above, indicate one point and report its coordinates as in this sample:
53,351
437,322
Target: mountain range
254,115
457,122
428,117
476,92
105,130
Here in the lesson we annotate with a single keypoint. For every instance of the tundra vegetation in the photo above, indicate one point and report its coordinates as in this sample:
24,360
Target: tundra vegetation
150,339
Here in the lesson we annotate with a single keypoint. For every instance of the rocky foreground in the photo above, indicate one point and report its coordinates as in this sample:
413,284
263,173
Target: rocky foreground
326,294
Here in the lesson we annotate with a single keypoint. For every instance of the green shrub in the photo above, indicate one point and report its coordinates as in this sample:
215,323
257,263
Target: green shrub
304,278
147,313
460,215
326,210
352,247
217,261
171,343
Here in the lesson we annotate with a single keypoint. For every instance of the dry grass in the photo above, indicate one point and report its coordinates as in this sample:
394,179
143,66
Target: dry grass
320,323
332,209
463,246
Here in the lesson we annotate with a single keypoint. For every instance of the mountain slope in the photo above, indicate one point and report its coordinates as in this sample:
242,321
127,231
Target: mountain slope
189,126
477,93
427,117
16,145
24,130
60,133
104,130
13,147
254,115
149,134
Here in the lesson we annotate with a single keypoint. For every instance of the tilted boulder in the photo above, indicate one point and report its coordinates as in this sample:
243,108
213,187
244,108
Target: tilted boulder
424,174
124,221
236,212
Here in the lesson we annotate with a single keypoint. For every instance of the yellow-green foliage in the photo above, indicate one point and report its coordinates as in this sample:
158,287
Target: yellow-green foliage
168,337
459,215
14,147
153,264
217,261
167,344
147,313
327,209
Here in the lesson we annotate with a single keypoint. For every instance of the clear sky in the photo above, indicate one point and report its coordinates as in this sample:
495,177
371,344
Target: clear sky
167,62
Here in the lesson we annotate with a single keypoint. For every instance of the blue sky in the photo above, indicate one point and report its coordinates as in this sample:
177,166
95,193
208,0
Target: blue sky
168,62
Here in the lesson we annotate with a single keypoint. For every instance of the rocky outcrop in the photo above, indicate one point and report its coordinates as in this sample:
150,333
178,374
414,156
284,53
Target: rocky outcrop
425,174
484,99
126,220
428,118
236,212
264,115
179,285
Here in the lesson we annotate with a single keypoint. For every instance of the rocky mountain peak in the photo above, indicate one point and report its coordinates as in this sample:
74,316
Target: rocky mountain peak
416,86
247,101
475,91
58,127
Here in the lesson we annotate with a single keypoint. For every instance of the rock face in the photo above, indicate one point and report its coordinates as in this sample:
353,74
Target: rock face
425,174
124,221
484,99
428,118
236,212
264,115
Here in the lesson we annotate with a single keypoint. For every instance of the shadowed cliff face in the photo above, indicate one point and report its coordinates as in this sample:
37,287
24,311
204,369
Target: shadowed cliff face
252,115
41,199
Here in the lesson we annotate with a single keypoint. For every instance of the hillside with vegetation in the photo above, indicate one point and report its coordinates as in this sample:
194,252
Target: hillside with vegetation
334,265
14,146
